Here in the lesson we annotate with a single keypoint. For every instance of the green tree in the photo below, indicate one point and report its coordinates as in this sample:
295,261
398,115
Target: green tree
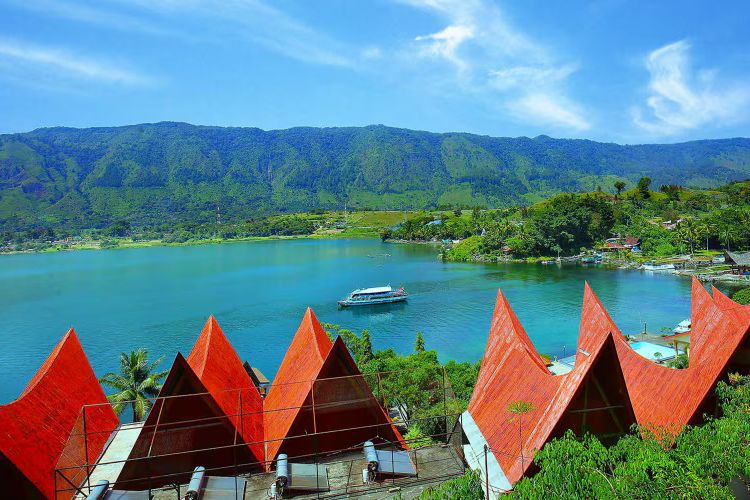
619,186
135,384
643,187
419,343
365,346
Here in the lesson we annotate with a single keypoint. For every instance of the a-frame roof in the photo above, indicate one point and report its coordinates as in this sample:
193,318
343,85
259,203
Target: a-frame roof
185,428
512,371
35,428
668,399
221,371
315,369
341,390
293,382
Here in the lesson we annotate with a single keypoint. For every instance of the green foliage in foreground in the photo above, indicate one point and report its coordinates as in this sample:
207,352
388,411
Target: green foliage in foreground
414,381
699,463
466,487
742,296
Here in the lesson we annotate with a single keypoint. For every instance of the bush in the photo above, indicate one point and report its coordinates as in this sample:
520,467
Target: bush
465,250
466,487
416,438
742,296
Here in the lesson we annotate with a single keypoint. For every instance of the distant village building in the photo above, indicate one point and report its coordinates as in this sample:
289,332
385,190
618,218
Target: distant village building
628,243
739,262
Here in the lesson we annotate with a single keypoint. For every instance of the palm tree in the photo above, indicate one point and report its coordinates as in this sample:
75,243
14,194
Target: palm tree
519,409
136,383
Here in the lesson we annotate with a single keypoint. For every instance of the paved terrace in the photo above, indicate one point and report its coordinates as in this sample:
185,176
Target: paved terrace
434,464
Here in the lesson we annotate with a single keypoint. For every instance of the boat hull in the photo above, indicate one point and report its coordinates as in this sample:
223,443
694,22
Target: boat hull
372,302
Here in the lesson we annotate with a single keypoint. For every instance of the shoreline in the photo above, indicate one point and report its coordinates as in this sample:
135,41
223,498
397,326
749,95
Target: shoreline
707,277
125,243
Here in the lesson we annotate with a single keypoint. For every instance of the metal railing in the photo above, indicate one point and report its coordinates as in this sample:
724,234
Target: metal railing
168,458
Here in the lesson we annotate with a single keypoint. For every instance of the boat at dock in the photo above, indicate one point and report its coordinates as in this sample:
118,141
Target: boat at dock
591,259
652,266
374,296
682,327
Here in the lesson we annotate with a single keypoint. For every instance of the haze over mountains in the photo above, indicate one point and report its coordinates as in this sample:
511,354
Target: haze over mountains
159,173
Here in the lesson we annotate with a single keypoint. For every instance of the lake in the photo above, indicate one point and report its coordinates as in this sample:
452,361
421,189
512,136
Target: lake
159,298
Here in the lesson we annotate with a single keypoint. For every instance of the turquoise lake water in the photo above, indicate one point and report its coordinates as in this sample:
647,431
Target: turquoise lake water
159,298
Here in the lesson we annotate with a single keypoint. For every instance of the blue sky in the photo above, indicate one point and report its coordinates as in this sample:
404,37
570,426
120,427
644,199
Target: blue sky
611,70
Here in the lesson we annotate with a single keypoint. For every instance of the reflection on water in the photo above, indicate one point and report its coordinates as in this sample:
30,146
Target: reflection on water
159,298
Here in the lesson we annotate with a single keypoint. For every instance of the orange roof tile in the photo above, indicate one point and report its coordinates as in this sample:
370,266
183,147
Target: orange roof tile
185,428
316,370
670,399
221,371
293,382
35,429
513,371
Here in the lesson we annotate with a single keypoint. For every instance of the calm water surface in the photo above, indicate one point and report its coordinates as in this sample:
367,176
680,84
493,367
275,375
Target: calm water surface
159,298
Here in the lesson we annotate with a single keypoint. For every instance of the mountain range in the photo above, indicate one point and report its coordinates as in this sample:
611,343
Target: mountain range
153,174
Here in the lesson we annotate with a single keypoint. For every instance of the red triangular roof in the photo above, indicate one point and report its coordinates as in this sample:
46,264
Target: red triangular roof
293,382
512,371
192,430
316,369
221,371
35,429
741,312
669,399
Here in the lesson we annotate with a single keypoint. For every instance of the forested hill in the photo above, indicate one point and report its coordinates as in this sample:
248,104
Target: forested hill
159,173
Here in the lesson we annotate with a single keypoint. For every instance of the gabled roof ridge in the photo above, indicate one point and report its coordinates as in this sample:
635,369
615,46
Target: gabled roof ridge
211,334
68,341
702,304
319,336
727,304
521,338
592,307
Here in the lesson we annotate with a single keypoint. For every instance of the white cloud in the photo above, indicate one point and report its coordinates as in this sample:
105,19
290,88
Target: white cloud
207,21
550,110
530,76
444,44
497,62
59,63
681,99
254,20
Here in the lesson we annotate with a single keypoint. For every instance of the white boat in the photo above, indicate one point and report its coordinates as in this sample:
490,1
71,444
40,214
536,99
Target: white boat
651,266
373,296
683,326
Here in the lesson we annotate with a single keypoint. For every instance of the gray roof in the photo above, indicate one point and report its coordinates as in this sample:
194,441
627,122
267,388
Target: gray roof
740,258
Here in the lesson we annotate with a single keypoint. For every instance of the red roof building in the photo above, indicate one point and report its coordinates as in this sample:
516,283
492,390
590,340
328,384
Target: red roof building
185,428
43,429
592,397
610,387
222,373
669,399
319,401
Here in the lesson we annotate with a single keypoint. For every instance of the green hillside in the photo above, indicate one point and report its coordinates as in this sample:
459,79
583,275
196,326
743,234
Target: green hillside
155,174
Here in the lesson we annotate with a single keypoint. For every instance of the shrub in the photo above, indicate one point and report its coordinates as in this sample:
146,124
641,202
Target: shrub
742,296
466,487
